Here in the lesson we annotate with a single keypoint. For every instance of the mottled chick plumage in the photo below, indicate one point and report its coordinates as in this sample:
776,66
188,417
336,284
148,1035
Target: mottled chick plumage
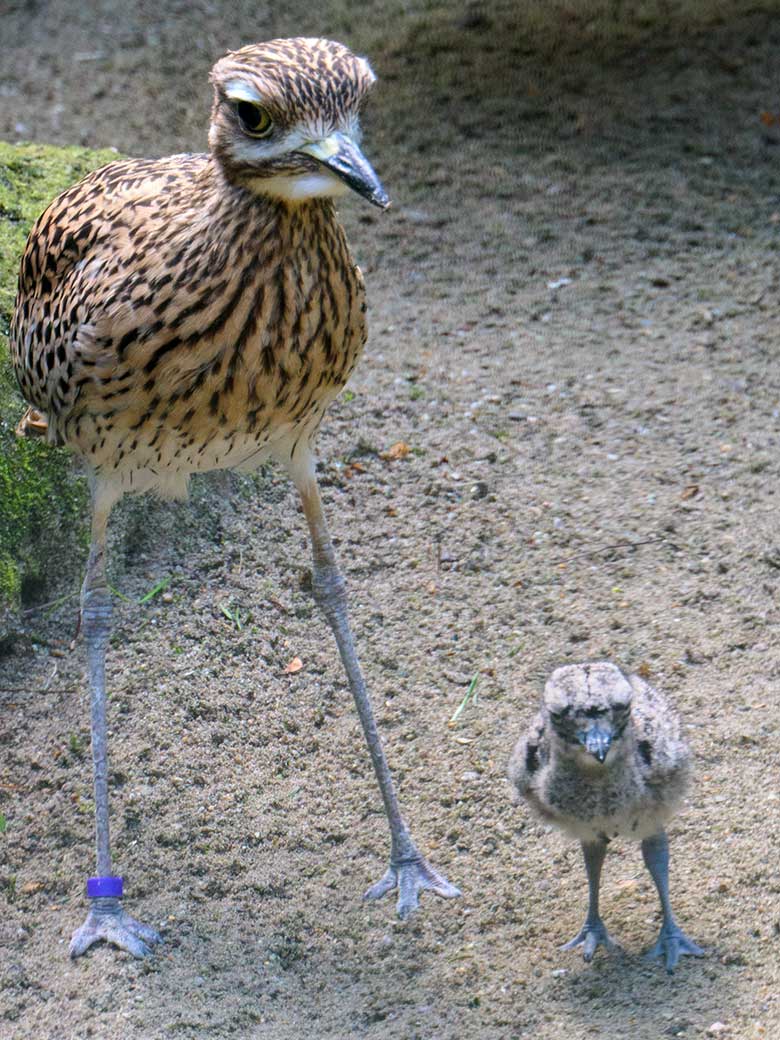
604,759
646,770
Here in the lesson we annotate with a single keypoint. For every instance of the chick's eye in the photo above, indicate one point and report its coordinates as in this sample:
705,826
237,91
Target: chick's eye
254,119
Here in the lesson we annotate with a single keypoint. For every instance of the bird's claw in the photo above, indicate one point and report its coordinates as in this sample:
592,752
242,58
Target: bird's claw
107,921
590,937
673,943
411,877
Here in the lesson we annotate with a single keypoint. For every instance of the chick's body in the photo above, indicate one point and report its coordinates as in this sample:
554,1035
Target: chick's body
631,795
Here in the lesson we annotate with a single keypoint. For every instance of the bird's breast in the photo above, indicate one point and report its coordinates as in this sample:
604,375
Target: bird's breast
619,804
200,337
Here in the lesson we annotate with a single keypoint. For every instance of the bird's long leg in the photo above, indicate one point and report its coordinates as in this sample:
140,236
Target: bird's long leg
106,918
408,871
593,933
672,942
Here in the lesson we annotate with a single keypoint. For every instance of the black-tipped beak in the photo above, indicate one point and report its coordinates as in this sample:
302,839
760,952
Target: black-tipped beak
597,740
341,156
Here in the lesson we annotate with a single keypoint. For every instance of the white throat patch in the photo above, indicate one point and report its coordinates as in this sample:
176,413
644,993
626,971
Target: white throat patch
298,188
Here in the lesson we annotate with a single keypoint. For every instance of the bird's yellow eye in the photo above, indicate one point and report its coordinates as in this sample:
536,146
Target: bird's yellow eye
254,119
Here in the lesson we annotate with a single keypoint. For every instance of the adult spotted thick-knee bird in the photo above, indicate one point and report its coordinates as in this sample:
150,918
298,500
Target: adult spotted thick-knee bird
604,759
201,312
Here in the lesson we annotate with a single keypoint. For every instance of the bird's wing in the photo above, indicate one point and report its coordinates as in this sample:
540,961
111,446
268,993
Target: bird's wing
664,758
42,332
80,279
530,755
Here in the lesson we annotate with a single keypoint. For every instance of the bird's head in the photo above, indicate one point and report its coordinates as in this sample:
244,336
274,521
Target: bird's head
589,708
285,120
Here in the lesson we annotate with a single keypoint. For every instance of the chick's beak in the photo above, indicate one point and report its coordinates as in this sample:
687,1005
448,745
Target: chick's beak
598,739
339,154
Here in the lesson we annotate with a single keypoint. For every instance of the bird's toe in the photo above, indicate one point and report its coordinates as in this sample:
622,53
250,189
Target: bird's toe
590,937
673,943
411,877
110,923
589,947
385,884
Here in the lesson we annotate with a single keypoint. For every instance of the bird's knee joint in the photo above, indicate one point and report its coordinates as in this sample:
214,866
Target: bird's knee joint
330,590
96,613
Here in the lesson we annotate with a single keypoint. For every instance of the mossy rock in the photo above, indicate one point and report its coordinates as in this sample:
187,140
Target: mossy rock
43,496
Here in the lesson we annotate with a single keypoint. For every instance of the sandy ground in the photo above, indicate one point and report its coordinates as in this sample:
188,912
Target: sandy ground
574,312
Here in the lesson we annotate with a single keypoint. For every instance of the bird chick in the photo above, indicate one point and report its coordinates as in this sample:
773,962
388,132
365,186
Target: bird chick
604,759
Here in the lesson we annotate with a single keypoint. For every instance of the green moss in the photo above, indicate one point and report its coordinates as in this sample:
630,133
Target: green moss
31,175
43,500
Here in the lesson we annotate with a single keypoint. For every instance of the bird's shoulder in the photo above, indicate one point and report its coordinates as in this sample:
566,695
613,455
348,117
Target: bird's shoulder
661,750
103,207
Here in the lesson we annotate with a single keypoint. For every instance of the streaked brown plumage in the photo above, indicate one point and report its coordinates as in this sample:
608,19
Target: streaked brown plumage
199,312
171,320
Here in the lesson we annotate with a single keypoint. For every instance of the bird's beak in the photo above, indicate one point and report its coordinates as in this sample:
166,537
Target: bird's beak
341,156
597,739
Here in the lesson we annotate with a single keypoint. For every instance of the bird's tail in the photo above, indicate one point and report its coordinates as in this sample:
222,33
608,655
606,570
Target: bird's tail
33,424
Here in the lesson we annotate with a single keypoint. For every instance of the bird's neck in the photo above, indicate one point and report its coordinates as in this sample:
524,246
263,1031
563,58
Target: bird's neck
579,762
262,196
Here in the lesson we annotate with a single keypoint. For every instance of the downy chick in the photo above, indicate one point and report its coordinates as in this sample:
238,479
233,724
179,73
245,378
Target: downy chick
604,759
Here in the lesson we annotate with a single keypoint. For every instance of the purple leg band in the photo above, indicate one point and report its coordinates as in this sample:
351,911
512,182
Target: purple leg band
101,887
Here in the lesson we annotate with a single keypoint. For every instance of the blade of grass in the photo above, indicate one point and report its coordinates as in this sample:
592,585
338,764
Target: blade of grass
158,588
471,692
232,615
119,595
52,604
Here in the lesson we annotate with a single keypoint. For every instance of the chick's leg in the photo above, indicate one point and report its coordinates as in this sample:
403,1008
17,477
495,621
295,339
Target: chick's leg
672,942
593,933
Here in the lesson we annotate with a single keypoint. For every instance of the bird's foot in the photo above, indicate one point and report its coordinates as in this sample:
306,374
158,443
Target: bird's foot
108,921
411,876
672,944
590,937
